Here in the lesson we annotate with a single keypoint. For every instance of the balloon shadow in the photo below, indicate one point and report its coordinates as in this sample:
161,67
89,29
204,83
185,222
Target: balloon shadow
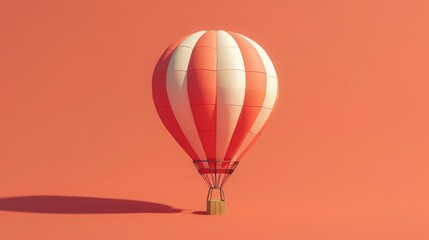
81,205
200,213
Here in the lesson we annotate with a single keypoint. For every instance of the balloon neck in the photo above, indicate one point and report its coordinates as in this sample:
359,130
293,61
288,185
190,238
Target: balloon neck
215,172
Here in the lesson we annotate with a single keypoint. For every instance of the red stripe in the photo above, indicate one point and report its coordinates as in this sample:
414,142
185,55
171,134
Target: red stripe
202,90
162,104
256,81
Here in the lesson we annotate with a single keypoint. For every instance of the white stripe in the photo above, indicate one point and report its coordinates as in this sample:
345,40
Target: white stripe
260,120
271,93
231,88
268,64
177,91
192,39
269,100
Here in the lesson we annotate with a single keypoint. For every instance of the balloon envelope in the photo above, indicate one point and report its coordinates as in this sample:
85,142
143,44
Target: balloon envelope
214,91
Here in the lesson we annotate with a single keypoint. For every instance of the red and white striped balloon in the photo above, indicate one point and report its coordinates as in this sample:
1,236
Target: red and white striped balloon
214,91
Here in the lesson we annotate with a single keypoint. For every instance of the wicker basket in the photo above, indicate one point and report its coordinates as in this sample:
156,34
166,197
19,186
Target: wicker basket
216,207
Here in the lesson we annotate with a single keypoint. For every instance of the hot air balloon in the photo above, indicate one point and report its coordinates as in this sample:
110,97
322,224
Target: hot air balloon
215,91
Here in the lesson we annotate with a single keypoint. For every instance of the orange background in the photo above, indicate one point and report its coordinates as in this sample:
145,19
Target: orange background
345,156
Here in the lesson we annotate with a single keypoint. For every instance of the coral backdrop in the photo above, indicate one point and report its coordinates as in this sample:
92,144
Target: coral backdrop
83,154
